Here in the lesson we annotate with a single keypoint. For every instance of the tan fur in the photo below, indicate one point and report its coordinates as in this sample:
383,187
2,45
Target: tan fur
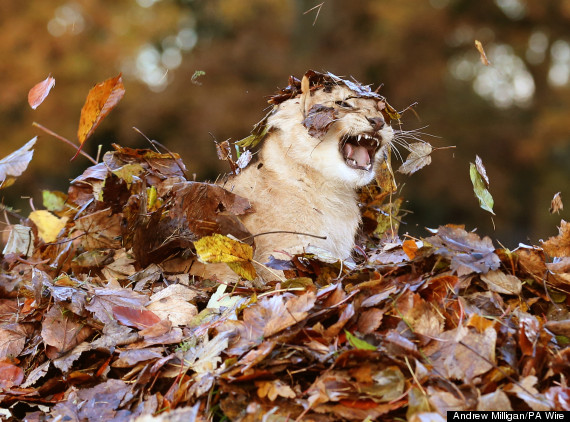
302,184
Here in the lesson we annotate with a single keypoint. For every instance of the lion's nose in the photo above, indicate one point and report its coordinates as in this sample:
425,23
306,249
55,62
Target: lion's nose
377,123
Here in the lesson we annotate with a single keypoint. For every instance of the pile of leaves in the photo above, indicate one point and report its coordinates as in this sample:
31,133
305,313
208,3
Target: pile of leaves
100,318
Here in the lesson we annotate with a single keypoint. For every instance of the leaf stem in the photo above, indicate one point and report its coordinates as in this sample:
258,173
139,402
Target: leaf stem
65,140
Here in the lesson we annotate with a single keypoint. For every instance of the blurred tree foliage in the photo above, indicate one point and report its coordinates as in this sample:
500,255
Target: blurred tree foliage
513,113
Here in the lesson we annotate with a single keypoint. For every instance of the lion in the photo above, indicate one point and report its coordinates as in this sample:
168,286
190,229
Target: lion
323,140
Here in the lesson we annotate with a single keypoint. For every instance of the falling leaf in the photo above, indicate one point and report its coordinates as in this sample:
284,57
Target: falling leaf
40,91
16,163
482,54
196,75
481,169
556,204
48,224
418,158
479,187
559,246
102,98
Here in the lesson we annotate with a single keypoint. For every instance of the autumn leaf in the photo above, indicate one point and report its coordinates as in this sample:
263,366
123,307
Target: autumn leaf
480,188
482,54
10,375
135,317
48,224
102,98
218,248
418,158
16,163
556,204
358,343
40,91
20,240
319,119
559,246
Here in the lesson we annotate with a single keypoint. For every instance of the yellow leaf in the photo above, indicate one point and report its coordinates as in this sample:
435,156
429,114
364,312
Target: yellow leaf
48,224
218,248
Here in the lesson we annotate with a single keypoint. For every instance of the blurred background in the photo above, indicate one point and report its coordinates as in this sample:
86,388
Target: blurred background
514,114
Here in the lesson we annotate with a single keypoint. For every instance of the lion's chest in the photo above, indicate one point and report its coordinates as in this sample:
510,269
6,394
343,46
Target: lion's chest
295,215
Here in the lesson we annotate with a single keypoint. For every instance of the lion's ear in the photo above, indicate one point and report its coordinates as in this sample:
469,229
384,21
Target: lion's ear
305,92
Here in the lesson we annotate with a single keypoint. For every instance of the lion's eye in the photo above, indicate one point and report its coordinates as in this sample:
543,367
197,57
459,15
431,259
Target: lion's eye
343,104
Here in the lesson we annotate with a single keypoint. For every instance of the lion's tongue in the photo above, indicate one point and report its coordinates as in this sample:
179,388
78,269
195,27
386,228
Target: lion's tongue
357,153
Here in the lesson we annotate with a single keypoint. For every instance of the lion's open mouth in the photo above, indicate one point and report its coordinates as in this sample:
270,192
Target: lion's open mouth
359,150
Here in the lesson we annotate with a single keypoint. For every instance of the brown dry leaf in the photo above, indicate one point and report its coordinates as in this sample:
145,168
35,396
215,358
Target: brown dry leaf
495,401
274,389
267,317
526,391
418,158
559,246
319,119
463,361
104,299
13,339
63,330
86,404
370,320
556,204
40,91
20,241
49,226
101,229
482,54
467,251
498,281
16,163
424,318
173,304
102,98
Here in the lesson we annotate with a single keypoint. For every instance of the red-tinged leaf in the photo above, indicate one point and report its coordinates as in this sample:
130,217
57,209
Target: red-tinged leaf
10,375
40,91
137,318
102,98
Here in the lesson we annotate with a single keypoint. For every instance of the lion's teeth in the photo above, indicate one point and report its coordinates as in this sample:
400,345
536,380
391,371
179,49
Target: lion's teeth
369,166
359,138
351,161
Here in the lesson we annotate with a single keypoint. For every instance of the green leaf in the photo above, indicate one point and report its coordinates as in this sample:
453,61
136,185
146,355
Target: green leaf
53,200
483,195
357,343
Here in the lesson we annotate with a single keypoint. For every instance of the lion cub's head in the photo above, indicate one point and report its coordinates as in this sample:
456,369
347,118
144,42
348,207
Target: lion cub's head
329,126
